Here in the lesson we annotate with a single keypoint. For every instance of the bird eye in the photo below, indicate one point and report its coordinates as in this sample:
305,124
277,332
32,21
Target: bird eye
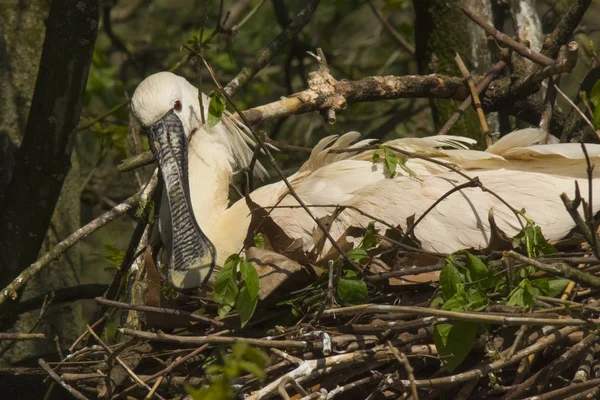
177,106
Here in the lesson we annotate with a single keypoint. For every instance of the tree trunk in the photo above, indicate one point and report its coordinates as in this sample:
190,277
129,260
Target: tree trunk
442,31
44,156
31,178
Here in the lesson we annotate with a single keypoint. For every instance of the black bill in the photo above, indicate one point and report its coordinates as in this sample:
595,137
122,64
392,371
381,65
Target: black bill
193,256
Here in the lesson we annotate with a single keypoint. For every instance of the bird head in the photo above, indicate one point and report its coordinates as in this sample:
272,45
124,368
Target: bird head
168,109
164,94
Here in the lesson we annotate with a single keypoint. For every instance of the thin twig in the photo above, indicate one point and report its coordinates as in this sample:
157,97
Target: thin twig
391,30
401,357
501,37
534,320
22,336
74,392
159,310
559,269
475,96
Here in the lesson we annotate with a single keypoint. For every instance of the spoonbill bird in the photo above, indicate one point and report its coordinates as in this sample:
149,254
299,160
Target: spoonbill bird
200,230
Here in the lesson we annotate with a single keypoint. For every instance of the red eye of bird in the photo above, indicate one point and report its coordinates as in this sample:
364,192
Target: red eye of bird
177,106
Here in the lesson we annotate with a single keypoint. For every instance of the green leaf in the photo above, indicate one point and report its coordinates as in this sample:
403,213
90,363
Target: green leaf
595,94
256,356
458,302
542,284
218,389
556,286
357,255
370,239
450,278
437,302
523,295
476,300
352,291
114,255
215,108
390,161
226,288
245,305
454,342
596,120
376,157
477,269
223,310
254,369
250,278
532,241
259,241
145,211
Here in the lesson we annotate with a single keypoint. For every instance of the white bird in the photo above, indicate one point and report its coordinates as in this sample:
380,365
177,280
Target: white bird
200,230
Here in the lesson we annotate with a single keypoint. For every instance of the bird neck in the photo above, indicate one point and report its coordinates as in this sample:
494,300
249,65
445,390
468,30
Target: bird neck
210,173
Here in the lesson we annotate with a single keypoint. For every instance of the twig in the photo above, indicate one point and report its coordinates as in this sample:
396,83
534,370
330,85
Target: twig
22,336
589,212
562,393
475,96
581,113
565,27
159,310
391,30
539,380
482,369
461,316
121,363
474,182
19,282
401,357
164,371
284,381
74,392
572,208
481,85
311,369
138,161
200,340
267,54
501,37
559,269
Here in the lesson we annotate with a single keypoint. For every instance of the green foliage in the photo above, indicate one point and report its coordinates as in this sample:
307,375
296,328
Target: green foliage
168,290
242,359
350,289
391,161
465,282
454,342
259,240
237,286
113,136
145,211
114,256
531,240
215,108
595,100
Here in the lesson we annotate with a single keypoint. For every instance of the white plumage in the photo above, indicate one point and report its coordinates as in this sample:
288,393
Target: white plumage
526,174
